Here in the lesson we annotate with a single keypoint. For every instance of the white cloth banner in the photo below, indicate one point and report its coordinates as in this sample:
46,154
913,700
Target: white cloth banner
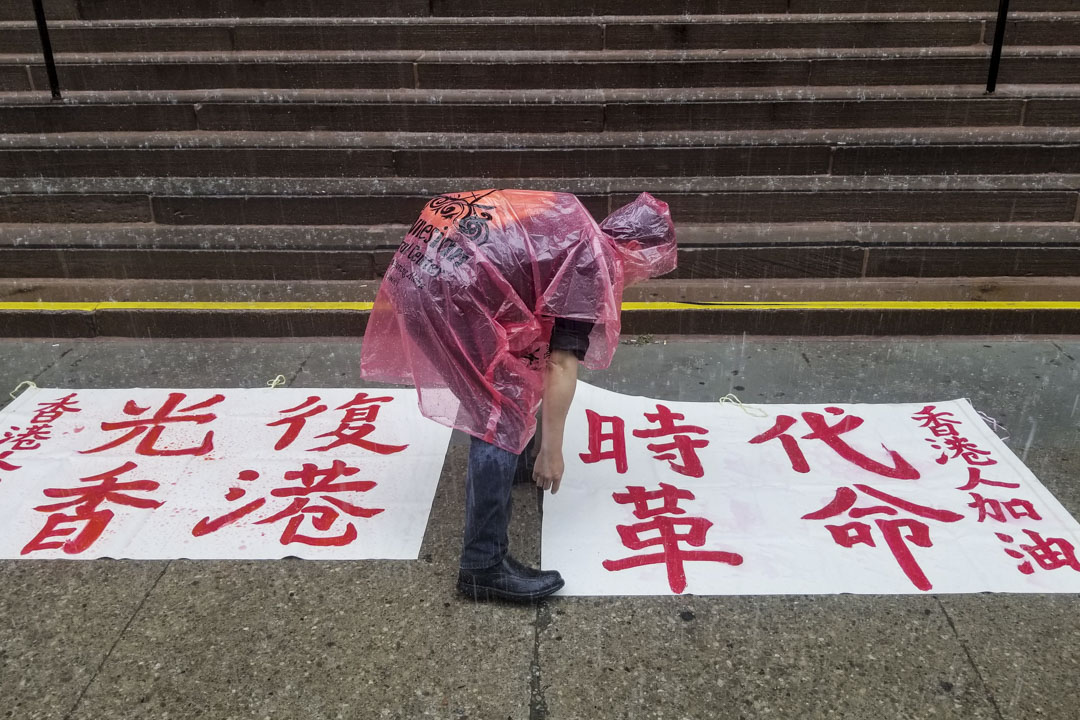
660,498
217,473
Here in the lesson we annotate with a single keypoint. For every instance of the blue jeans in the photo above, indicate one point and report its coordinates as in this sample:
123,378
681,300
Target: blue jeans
488,504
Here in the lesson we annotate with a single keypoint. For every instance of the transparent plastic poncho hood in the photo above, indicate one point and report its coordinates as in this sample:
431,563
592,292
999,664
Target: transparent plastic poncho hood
466,308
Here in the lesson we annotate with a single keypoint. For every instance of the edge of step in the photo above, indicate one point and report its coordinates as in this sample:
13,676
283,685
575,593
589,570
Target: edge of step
137,236
439,96
425,187
581,57
105,9
720,290
518,142
473,20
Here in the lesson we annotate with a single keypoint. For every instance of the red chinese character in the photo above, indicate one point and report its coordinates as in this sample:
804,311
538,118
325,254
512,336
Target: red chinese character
296,424
962,447
49,412
598,436
975,479
313,481
28,439
207,526
6,466
830,435
154,426
941,424
685,446
86,502
1049,553
357,424
995,509
855,533
669,495
667,537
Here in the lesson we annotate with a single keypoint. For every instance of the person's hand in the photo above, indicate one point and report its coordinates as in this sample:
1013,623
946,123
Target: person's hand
548,470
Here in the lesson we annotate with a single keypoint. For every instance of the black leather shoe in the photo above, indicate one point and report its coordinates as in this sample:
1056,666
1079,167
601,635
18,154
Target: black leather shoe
509,580
524,569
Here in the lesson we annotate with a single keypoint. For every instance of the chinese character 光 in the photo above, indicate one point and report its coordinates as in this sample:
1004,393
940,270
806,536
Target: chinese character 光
151,428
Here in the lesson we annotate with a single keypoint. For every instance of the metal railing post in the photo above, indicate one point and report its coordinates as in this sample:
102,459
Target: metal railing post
46,49
999,40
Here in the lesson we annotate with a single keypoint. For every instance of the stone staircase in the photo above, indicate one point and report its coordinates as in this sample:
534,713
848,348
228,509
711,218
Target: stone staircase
811,150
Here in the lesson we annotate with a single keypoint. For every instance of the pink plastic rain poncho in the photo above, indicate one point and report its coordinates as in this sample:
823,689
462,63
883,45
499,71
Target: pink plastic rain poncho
466,308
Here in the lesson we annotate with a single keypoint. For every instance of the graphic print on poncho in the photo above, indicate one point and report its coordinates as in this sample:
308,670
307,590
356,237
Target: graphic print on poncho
462,215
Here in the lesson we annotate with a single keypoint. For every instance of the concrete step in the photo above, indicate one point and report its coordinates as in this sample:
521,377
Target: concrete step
979,306
142,236
548,33
1041,65
119,9
557,111
720,250
718,290
969,151
376,201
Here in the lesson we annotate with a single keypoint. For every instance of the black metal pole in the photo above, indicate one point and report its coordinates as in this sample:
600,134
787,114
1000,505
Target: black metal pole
999,40
46,49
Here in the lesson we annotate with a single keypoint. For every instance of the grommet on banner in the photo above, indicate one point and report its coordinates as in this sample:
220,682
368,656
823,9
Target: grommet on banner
276,382
752,411
24,384
994,425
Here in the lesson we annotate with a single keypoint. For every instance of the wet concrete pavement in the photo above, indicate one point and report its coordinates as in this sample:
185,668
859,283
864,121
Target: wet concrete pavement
389,639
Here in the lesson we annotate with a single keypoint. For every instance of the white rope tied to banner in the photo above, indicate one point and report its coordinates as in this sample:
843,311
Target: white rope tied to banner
24,384
276,382
752,411
994,425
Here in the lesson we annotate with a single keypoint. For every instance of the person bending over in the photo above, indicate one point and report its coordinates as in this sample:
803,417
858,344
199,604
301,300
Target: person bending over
491,302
